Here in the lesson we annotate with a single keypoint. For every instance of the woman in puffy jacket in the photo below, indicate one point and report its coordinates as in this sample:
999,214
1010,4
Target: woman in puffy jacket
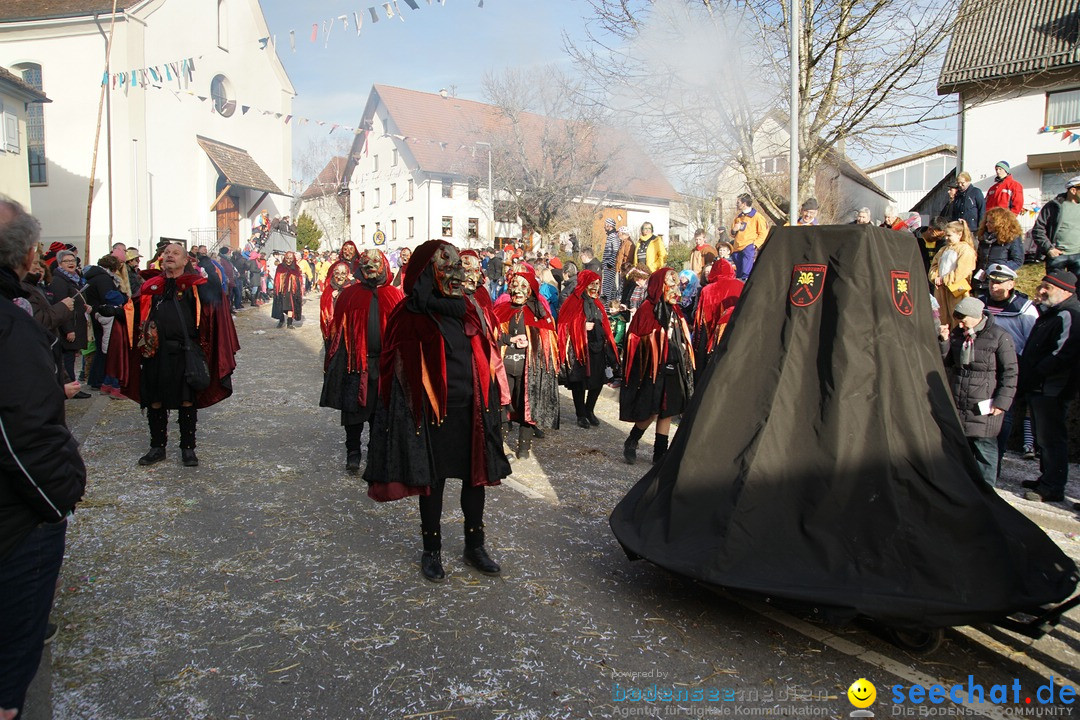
998,240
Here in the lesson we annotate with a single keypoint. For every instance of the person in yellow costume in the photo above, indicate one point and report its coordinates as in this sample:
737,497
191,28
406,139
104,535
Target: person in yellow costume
649,248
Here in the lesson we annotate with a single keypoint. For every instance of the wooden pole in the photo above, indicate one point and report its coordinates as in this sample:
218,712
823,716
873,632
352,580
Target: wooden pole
97,133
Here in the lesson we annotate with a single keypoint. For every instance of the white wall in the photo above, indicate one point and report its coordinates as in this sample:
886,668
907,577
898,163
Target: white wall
14,171
163,183
1006,128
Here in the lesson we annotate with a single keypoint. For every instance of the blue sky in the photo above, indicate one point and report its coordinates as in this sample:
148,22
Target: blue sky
437,46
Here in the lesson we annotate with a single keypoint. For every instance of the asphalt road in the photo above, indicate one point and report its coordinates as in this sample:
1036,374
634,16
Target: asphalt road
265,584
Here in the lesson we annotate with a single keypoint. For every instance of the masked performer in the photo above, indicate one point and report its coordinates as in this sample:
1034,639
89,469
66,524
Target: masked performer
439,415
351,257
716,303
403,259
337,279
528,337
180,317
288,291
659,376
586,346
351,379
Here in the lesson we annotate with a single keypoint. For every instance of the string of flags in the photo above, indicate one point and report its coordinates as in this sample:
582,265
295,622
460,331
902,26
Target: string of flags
372,15
1066,134
180,70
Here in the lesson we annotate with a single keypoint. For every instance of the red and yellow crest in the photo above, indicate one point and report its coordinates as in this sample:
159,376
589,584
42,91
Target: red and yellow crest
901,291
807,282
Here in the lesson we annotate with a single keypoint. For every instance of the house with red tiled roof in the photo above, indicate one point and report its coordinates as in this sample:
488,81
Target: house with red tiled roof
326,201
18,103
190,145
423,169
1015,70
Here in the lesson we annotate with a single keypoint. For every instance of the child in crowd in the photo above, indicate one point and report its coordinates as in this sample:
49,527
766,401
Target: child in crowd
951,269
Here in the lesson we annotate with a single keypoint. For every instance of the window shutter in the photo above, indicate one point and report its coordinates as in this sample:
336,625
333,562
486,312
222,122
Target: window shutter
11,132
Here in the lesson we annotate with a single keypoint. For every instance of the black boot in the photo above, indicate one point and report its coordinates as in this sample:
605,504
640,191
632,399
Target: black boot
630,446
158,420
475,555
583,422
525,437
431,561
660,445
281,323
189,418
290,325
353,448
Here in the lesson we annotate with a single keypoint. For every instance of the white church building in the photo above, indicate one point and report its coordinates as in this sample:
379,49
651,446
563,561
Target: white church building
191,140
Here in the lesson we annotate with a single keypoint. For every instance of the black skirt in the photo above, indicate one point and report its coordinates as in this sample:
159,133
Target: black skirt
451,444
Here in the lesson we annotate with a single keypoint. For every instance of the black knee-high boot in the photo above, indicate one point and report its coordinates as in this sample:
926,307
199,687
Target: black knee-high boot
525,437
353,447
660,445
630,446
577,391
590,406
189,418
430,532
472,507
158,420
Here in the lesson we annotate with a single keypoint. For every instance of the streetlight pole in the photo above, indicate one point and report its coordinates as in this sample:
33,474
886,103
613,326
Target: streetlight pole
491,198
793,129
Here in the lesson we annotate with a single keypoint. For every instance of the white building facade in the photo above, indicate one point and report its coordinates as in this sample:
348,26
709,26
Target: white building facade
181,155
909,178
17,101
421,172
1013,74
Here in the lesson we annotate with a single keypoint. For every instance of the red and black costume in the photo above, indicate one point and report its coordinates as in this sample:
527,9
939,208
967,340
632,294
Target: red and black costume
351,372
288,292
439,415
585,355
531,371
659,376
716,303
329,299
350,255
186,308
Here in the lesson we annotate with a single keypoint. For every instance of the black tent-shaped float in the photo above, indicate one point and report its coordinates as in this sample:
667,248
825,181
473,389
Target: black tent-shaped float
821,461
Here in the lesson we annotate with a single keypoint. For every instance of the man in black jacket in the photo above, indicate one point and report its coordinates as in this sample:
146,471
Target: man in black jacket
1048,376
1057,229
981,362
42,476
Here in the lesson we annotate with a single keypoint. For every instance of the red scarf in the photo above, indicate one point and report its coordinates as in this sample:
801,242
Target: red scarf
572,333
646,337
350,321
288,280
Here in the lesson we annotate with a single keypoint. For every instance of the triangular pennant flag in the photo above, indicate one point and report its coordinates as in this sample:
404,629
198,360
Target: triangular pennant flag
133,78
287,119
332,129
105,78
302,121
1066,134
1074,138
326,32
191,65
374,15
358,20
397,9
412,4
344,22
314,32
202,98
389,11
244,109
153,74
263,42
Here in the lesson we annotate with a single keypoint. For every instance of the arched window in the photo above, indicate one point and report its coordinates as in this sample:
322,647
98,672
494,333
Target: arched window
223,24
35,126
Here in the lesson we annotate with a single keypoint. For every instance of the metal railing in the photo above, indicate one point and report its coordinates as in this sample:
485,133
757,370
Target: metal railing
211,237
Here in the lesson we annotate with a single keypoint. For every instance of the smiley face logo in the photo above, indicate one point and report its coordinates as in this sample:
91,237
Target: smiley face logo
862,693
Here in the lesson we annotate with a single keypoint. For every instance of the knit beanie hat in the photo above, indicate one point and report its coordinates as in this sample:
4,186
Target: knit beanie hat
1004,166
1062,279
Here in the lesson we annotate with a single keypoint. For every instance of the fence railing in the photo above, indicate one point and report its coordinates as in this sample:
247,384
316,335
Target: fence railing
211,237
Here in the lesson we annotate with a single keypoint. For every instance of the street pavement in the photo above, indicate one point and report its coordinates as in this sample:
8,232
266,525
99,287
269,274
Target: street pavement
265,583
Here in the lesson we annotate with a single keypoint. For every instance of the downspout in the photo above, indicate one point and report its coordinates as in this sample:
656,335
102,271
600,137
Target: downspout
108,132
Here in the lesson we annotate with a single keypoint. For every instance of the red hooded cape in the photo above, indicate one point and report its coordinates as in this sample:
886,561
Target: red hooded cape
327,300
217,337
350,322
572,334
645,336
414,354
716,303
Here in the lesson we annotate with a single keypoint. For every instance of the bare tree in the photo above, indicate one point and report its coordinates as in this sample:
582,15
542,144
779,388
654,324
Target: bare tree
328,205
548,153
700,75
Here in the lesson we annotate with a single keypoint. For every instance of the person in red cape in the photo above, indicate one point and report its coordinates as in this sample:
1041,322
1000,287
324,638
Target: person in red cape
403,258
288,292
350,256
586,346
659,376
351,373
439,415
715,305
177,306
477,294
529,341
338,278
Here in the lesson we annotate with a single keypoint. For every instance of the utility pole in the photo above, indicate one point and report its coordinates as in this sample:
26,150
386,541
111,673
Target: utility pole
793,129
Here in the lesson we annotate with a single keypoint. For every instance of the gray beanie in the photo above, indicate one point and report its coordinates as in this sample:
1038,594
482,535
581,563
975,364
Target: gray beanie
969,307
